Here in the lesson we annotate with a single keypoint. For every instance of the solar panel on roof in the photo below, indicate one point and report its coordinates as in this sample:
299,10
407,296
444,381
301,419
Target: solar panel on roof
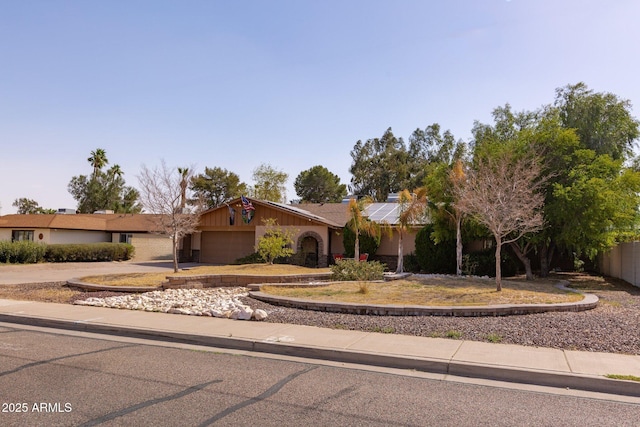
383,212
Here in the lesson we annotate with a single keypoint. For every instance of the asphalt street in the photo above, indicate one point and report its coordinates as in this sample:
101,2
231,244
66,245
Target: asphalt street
70,379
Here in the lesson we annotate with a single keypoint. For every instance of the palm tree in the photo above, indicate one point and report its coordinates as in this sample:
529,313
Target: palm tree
115,171
184,181
98,160
411,210
457,178
359,223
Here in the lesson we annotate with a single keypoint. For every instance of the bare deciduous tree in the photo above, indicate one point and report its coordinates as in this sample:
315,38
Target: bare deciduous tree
503,193
161,193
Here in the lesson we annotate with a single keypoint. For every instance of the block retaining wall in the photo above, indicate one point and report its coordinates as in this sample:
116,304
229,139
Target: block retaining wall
229,280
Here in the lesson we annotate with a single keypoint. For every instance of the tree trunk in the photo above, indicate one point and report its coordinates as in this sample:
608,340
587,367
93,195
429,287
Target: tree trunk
524,259
459,245
400,266
546,254
356,248
498,268
175,254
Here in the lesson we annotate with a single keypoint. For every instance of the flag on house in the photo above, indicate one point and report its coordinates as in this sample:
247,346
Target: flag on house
232,214
247,210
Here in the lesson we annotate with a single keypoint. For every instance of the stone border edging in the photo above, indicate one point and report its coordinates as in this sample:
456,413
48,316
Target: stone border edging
76,283
589,302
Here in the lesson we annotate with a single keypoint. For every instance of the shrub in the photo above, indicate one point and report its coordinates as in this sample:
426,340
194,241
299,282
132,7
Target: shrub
89,252
22,252
367,244
351,270
435,257
483,263
411,264
275,243
253,258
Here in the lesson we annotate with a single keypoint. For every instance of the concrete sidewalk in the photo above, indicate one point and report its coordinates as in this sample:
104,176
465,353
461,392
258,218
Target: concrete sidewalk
528,365
16,274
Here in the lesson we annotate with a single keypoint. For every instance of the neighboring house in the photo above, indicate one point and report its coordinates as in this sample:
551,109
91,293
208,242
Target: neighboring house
136,229
317,231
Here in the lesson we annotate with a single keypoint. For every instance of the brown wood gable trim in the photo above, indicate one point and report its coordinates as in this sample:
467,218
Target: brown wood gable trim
219,217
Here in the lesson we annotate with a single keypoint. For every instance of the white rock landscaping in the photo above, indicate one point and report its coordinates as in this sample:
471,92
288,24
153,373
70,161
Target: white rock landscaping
211,302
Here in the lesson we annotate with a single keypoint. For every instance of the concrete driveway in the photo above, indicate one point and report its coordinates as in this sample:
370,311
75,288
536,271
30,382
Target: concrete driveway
11,274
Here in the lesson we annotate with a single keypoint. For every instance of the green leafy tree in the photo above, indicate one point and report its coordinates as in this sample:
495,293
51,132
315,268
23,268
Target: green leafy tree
603,121
270,184
318,185
380,166
103,190
429,147
599,199
217,186
26,206
275,242
577,220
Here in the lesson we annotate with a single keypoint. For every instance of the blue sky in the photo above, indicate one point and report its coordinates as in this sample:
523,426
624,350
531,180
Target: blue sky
291,83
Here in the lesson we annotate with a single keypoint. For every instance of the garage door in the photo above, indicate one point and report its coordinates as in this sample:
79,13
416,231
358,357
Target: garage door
223,247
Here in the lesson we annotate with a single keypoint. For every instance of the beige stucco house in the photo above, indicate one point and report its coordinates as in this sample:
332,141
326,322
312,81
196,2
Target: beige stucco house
136,229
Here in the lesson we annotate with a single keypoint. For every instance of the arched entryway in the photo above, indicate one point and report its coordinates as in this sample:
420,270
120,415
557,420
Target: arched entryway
310,246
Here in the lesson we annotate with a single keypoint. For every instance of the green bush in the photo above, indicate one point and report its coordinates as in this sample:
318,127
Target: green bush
483,263
22,252
253,258
411,264
351,270
367,244
89,252
437,258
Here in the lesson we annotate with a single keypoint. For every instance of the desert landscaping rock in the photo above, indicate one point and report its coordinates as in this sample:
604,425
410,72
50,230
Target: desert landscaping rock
612,327
213,302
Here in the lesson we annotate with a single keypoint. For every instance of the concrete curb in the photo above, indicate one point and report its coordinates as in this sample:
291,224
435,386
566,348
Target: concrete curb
432,365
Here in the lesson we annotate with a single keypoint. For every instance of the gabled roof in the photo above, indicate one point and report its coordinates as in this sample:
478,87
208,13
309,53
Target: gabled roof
296,210
334,221
89,222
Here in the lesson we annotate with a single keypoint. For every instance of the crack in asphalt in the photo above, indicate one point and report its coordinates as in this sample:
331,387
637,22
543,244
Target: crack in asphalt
145,404
268,393
55,359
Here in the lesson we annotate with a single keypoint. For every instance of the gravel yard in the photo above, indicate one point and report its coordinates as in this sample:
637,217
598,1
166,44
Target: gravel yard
614,326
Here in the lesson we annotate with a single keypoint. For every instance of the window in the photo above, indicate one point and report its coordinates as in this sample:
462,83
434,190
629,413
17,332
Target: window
17,235
125,238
